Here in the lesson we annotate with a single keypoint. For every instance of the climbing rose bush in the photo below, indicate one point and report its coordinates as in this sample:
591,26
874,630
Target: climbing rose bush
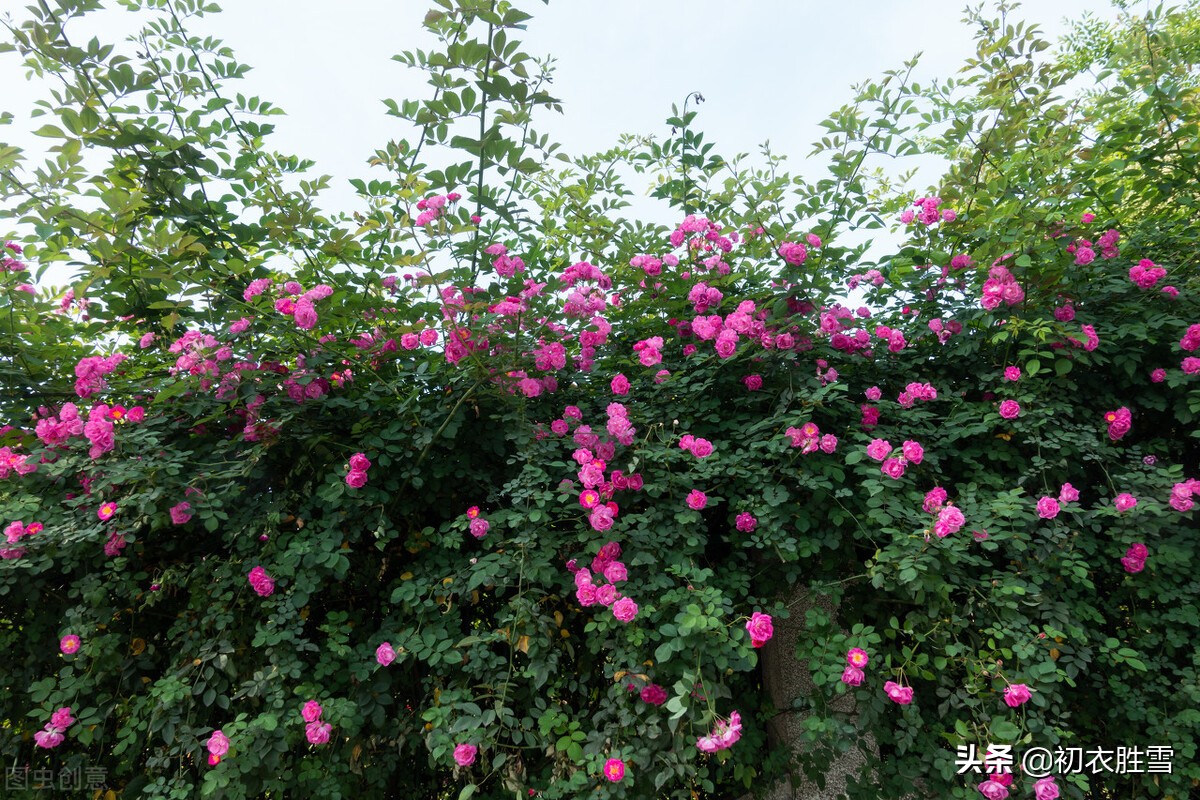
486,490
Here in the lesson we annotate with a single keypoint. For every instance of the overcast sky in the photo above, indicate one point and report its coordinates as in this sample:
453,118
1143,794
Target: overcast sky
769,70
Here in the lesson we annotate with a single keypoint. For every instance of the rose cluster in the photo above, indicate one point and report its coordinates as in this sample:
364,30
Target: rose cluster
356,474
316,731
53,734
261,582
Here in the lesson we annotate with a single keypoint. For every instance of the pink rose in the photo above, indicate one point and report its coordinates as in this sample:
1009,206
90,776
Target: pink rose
48,738
304,314
181,513
870,416
359,462
218,744
1124,501
356,479
311,711
385,654
893,468
586,595
1016,694
746,522
620,384
1047,508
993,790
914,452
616,572
261,582
654,695
62,718
879,449
625,609
479,527
317,732
606,595
464,754
1010,409
853,676
1119,422
950,520
601,518
793,253
1135,558
1068,494
1045,789
697,499
902,695
760,628
857,657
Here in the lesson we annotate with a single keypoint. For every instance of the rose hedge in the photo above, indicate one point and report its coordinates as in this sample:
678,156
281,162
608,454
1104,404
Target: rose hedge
488,490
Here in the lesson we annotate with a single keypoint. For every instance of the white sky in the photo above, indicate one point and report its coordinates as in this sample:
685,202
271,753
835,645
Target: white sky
768,69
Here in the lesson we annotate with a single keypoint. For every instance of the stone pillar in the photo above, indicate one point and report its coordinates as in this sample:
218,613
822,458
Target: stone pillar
785,678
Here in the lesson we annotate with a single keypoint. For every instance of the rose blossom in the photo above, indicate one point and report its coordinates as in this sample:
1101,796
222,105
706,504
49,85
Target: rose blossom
992,790
654,695
1045,789
311,711
1016,694
893,468
1047,508
760,628
879,449
614,769
1134,560
624,609
218,744
901,695
181,513
464,754
317,732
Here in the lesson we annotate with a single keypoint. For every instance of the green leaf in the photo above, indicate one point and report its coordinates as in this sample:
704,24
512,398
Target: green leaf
1004,731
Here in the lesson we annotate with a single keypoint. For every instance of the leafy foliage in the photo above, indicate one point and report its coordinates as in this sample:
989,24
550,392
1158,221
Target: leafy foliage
449,331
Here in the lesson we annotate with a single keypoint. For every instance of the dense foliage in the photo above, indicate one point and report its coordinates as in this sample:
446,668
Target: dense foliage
487,490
